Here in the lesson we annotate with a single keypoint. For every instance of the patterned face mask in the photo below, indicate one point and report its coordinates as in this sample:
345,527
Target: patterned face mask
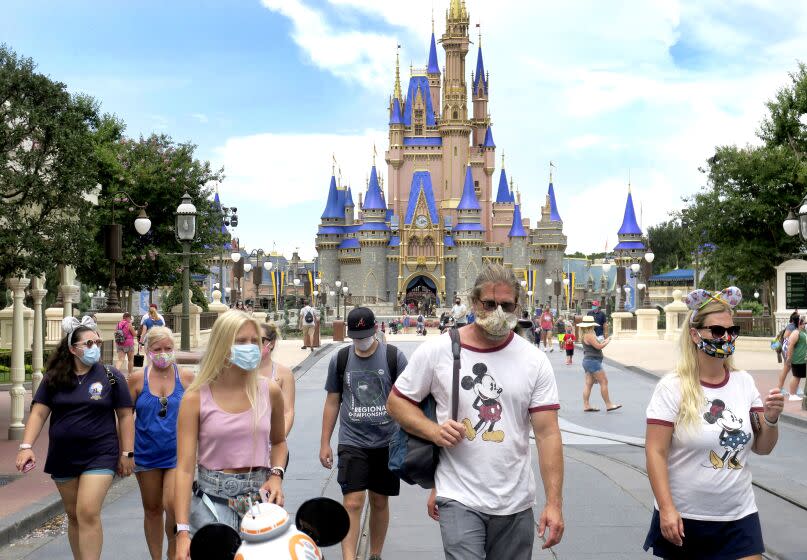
716,347
496,323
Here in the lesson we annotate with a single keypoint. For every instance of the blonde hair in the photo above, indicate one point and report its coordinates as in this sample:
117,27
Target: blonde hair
687,369
222,338
156,334
271,331
153,315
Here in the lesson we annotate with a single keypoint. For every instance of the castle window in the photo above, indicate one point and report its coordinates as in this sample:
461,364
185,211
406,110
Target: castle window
456,115
477,189
418,114
455,151
418,130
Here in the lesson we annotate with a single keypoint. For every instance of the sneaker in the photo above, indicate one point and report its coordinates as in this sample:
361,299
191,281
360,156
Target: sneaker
794,398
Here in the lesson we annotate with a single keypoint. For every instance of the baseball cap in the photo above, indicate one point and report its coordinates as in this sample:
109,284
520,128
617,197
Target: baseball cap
360,323
595,303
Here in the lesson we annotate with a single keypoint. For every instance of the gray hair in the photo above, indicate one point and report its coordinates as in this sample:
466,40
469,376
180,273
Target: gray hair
495,274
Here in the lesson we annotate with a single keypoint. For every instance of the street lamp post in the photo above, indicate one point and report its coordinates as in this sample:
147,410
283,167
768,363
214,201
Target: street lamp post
229,217
529,302
344,299
185,232
338,284
548,282
113,245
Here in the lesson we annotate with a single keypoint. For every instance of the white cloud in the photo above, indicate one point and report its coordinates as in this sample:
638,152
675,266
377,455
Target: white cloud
593,86
279,182
201,117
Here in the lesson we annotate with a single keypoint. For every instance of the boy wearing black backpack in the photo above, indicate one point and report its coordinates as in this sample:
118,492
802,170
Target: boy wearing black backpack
360,378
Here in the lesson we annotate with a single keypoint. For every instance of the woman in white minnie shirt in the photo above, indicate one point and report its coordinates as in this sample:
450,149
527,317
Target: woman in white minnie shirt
703,421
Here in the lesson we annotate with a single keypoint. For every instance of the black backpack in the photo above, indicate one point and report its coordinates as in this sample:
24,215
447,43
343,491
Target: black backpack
344,354
309,317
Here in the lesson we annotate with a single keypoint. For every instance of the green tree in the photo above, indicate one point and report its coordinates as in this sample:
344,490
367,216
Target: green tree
156,172
749,192
47,168
668,241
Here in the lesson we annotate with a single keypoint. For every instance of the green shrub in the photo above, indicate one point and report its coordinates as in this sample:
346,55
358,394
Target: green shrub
174,297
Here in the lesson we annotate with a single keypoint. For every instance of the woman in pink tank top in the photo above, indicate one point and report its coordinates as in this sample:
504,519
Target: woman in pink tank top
233,418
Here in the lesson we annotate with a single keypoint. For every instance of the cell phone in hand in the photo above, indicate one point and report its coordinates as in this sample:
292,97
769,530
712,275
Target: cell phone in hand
28,466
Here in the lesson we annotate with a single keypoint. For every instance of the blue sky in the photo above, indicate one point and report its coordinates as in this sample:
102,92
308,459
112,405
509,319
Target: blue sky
271,88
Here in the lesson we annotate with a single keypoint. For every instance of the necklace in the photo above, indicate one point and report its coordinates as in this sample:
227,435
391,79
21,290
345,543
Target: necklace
81,377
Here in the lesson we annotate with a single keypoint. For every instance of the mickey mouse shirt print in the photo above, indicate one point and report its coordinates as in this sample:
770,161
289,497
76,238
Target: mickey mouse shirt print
709,478
490,470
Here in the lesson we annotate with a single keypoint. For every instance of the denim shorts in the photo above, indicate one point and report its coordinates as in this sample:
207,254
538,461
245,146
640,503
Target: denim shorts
219,486
592,365
63,479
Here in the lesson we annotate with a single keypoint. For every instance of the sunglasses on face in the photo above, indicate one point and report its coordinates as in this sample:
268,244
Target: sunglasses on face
89,343
719,331
164,404
491,305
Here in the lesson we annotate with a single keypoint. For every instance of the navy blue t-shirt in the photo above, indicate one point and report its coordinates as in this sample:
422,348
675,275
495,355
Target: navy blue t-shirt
83,433
600,319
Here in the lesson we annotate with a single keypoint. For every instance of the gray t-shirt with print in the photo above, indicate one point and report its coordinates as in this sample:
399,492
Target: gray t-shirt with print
363,418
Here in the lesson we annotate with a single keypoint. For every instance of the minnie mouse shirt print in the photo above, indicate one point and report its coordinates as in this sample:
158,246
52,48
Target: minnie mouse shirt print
709,476
490,469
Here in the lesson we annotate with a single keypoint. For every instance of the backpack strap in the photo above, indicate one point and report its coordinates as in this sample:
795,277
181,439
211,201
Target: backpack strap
341,365
110,375
455,382
392,362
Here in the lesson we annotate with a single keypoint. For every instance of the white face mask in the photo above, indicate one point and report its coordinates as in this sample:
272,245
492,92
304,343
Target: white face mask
363,344
496,323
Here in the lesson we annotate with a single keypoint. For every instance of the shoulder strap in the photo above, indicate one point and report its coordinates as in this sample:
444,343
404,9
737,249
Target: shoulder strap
392,362
341,364
455,382
110,375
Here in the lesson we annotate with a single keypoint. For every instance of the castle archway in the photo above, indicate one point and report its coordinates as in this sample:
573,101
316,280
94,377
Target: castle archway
420,295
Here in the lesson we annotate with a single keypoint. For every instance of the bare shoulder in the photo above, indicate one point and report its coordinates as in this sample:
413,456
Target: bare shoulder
191,398
186,376
284,372
136,380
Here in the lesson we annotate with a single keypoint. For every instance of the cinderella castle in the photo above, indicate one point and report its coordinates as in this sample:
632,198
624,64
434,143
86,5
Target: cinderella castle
443,216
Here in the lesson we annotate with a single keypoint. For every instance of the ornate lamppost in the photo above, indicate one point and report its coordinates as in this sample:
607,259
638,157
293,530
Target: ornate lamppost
113,245
338,284
185,232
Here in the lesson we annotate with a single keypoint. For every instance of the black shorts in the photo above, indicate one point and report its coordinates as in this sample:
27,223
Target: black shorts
799,370
570,352
366,469
712,540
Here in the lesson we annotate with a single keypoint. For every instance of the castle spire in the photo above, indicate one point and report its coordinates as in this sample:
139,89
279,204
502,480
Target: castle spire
629,225
503,194
332,209
517,228
468,200
479,74
397,92
373,200
434,67
553,207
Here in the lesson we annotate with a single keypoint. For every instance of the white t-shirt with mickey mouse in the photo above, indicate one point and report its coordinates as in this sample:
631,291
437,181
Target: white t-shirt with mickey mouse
488,471
708,466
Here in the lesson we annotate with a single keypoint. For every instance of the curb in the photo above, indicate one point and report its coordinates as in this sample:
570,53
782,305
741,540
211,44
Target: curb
786,417
26,520
312,358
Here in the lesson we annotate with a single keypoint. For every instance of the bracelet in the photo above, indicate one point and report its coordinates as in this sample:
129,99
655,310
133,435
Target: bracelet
769,423
24,446
277,471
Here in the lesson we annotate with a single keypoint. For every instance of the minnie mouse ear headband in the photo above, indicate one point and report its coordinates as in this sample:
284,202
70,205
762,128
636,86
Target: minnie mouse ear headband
70,324
696,300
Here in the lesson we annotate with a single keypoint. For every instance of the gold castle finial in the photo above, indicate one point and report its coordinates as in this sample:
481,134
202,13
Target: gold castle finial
479,33
333,164
629,180
374,153
432,18
397,93
502,159
551,167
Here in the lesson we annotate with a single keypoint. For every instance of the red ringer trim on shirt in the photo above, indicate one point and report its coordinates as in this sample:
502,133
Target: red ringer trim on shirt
397,392
542,408
757,409
494,349
717,385
660,422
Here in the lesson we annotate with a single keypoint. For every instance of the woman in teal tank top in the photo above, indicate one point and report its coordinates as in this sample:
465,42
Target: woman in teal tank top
796,360
157,392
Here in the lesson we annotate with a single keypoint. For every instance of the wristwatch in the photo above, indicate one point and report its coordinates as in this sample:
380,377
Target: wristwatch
181,527
277,471
127,454
24,446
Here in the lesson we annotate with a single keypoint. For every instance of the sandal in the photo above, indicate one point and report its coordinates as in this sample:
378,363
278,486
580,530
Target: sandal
591,409
617,407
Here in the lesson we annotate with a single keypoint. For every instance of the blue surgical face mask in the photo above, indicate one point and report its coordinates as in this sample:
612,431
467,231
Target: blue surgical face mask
245,356
91,355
